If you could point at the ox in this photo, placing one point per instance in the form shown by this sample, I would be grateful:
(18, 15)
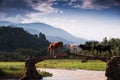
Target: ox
(74, 48)
(85, 47)
(101, 48)
(55, 45)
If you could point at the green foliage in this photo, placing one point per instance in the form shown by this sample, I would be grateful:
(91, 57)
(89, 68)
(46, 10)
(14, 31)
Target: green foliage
(113, 42)
(13, 38)
(91, 43)
(26, 53)
(11, 69)
(18, 44)
(72, 64)
(44, 73)
(2, 73)
(15, 70)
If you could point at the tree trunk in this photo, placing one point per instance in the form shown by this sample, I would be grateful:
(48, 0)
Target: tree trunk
(30, 68)
(91, 57)
(113, 69)
(32, 74)
(30, 71)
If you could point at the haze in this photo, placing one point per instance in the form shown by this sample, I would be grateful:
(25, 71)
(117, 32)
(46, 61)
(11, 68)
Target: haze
(89, 19)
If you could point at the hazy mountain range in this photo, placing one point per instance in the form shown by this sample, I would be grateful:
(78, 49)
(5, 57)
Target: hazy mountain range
(52, 33)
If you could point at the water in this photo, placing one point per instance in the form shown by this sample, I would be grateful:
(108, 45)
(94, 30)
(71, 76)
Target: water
(62, 74)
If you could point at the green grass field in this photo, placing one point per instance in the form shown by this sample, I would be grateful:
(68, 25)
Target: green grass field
(16, 69)
(13, 69)
(73, 64)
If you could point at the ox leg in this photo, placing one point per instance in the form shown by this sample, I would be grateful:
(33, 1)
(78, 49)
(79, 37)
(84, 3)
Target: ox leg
(50, 52)
(53, 52)
(97, 52)
(60, 50)
(92, 52)
(110, 52)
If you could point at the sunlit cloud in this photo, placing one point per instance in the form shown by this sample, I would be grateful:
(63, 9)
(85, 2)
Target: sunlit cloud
(24, 7)
(16, 19)
(94, 4)
(81, 18)
(46, 7)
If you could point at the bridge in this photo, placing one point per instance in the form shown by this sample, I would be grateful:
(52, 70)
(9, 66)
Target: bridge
(32, 74)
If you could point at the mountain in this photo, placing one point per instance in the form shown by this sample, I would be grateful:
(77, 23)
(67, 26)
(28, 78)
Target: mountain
(53, 39)
(52, 33)
(6, 23)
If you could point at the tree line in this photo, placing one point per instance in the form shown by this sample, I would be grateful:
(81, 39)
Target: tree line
(18, 44)
(114, 43)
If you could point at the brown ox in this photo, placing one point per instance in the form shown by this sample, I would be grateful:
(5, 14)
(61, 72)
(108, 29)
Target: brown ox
(55, 45)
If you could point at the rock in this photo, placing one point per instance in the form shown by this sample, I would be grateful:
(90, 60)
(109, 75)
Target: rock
(113, 69)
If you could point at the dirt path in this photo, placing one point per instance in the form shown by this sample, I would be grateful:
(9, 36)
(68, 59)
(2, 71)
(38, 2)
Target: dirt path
(61, 74)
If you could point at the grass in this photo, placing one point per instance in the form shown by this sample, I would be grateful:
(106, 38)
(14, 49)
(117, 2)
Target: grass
(13, 69)
(73, 64)
(16, 69)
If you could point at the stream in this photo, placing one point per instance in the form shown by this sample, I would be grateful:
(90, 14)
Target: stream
(63, 74)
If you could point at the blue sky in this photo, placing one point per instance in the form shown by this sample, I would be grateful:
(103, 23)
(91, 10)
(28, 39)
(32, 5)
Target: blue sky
(89, 19)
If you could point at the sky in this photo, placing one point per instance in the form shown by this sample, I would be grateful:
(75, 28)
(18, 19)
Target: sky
(89, 19)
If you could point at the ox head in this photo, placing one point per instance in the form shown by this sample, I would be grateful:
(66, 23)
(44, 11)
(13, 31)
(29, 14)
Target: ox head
(80, 45)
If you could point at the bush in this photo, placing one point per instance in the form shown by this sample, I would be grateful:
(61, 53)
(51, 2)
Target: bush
(2, 73)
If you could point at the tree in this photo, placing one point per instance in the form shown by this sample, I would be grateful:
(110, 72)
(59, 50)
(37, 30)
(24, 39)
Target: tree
(22, 44)
(105, 41)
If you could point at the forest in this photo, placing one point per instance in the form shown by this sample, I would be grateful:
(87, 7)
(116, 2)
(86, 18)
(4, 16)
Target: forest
(16, 44)
(114, 44)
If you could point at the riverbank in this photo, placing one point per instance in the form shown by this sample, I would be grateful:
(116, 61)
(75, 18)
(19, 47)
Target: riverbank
(76, 74)
(16, 69)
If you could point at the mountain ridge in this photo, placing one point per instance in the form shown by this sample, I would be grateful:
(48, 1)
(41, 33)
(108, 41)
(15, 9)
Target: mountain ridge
(50, 31)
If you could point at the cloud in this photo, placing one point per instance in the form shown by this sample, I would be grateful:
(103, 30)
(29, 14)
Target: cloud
(15, 19)
(94, 4)
(106, 3)
(46, 6)
(24, 7)
(2, 15)
(13, 8)
(1, 1)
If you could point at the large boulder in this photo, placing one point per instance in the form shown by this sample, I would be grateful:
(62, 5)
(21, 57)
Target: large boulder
(113, 69)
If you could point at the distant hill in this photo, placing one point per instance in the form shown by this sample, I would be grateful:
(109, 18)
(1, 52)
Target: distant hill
(5, 23)
(53, 39)
(52, 33)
